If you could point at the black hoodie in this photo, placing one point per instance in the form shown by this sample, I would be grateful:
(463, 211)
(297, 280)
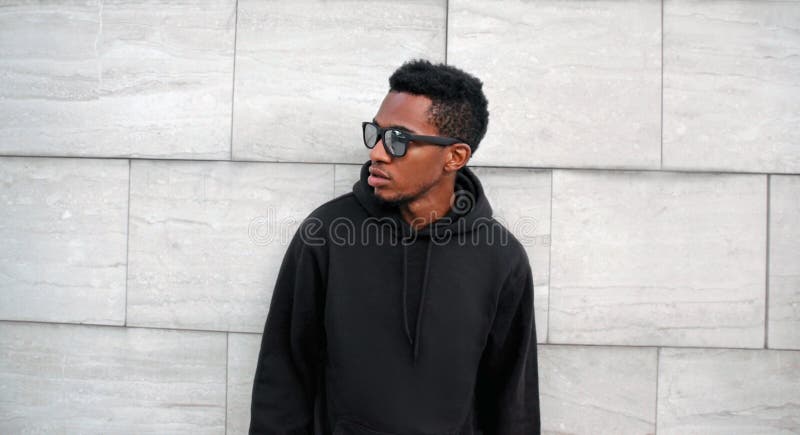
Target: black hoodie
(375, 328)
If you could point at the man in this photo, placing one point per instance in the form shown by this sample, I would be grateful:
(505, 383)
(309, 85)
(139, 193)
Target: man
(403, 307)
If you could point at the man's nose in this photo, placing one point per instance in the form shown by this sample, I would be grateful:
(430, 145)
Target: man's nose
(378, 152)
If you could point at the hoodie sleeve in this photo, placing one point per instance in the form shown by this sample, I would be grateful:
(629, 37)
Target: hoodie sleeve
(507, 388)
(287, 372)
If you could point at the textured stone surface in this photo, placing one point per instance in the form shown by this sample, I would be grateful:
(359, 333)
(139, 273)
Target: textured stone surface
(728, 391)
(242, 360)
(57, 378)
(784, 262)
(309, 72)
(597, 389)
(662, 268)
(569, 83)
(207, 239)
(63, 226)
(732, 85)
(117, 78)
(658, 258)
(346, 176)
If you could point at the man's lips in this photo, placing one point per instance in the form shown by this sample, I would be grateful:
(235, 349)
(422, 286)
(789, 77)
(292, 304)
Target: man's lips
(377, 177)
(375, 172)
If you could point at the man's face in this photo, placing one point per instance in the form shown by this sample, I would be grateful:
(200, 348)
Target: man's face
(412, 175)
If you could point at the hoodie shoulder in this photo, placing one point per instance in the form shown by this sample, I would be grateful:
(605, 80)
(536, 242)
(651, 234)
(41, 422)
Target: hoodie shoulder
(313, 230)
(342, 206)
(510, 248)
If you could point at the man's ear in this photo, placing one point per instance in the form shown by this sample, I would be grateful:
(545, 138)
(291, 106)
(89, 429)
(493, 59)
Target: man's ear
(458, 155)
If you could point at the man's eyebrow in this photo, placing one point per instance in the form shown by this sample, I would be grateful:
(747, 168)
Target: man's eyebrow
(399, 127)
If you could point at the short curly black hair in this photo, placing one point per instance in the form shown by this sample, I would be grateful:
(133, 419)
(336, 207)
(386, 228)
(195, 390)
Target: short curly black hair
(459, 108)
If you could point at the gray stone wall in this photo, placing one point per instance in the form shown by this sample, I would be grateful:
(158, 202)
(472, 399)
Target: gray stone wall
(156, 156)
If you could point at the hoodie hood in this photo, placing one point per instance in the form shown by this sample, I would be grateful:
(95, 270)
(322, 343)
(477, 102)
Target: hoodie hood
(469, 205)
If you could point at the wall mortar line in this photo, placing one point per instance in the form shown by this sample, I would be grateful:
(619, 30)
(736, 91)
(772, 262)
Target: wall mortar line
(766, 270)
(233, 75)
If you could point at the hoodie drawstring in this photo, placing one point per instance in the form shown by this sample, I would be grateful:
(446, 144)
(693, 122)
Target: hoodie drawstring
(421, 306)
(405, 291)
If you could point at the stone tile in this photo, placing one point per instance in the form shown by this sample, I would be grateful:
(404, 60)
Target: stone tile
(728, 391)
(658, 258)
(570, 84)
(346, 176)
(59, 378)
(207, 238)
(63, 223)
(784, 267)
(242, 361)
(520, 200)
(116, 78)
(597, 390)
(309, 72)
(731, 103)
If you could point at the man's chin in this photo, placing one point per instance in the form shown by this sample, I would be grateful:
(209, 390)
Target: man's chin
(387, 199)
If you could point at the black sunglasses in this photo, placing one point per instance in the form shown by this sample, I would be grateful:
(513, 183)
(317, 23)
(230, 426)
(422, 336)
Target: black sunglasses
(396, 141)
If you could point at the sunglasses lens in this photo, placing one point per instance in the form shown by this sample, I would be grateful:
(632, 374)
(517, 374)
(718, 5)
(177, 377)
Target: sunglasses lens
(370, 135)
(396, 142)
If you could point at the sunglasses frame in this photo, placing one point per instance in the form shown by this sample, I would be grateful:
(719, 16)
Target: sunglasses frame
(405, 137)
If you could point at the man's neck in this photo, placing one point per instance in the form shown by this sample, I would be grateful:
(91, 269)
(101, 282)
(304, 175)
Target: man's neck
(433, 205)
